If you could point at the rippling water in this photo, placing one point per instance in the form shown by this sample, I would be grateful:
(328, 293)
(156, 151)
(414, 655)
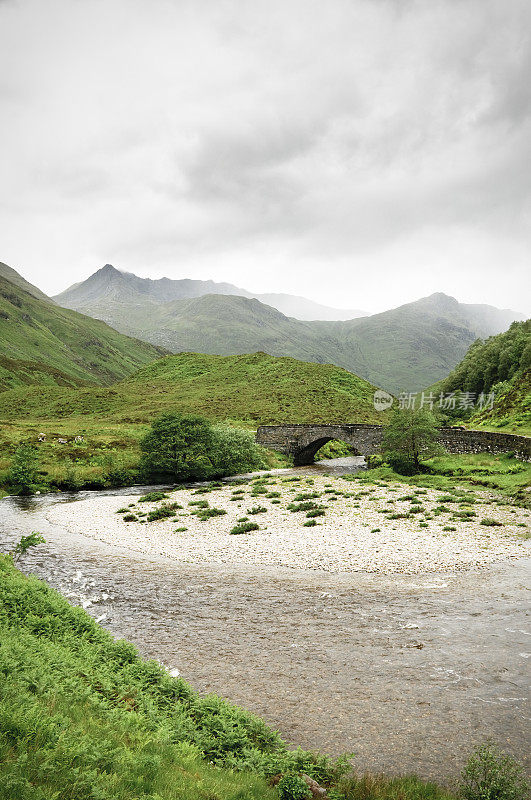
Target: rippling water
(409, 672)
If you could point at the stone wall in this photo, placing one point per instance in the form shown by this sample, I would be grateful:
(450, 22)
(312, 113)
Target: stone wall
(303, 441)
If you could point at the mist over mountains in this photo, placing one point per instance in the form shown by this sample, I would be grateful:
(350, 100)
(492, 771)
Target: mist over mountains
(406, 348)
(99, 292)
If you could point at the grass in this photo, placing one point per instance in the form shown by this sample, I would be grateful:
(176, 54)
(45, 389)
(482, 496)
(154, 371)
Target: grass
(243, 391)
(456, 475)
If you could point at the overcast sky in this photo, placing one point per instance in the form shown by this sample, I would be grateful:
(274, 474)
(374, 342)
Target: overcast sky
(362, 153)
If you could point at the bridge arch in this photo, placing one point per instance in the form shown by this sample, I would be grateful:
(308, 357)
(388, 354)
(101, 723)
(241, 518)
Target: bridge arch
(302, 442)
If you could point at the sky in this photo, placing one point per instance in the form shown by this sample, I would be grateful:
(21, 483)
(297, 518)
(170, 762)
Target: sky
(362, 153)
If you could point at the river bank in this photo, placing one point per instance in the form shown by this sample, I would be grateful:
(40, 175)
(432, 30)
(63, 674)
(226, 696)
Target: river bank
(352, 528)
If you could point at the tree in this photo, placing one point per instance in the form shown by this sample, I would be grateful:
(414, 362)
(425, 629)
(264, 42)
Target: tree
(235, 450)
(22, 475)
(410, 438)
(178, 447)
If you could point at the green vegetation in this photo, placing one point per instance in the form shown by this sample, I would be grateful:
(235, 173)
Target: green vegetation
(26, 543)
(240, 391)
(41, 343)
(410, 439)
(152, 497)
(23, 473)
(492, 775)
(500, 365)
(182, 447)
(244, 527)
(502, 474)
(489, 363)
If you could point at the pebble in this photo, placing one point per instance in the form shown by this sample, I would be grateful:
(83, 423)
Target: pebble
(342, 541)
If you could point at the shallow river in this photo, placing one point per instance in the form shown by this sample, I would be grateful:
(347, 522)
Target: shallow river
(407, 672)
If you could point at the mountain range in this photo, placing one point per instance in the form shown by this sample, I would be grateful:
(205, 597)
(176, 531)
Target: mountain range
(97, 295)
(403, 349)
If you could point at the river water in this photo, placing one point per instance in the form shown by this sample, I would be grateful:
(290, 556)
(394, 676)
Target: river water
(407, 672)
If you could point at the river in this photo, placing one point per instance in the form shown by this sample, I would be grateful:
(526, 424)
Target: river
(407, 672)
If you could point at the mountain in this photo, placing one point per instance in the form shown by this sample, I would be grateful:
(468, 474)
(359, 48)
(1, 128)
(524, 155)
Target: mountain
(43, 343)
(109, 294)
(405, 348)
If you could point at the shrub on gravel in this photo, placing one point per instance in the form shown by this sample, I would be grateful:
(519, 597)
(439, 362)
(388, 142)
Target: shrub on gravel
(490, 523)
(308, 505)
(129, 517)
(163, 511)
(207, 513)
(152, 497)
(316, 512)
(244, 527)
(257, 510)
(310, 523)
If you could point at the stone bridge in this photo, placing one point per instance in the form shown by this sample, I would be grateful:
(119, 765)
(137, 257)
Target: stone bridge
(303, 441)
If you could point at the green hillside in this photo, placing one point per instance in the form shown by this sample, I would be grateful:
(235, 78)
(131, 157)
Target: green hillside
(255, 388)
(500, 365)
(43, 343)
(246, 390)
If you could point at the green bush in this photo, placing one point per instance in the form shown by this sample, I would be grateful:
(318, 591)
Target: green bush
(257, 510)
(316, 512)
(22, 475)
(308, 505)
(183, 447)
(129, 517)
(207, 513)
(245, 527)
(492, 775)
(163, 511)
(291, 787)
(152, 497)
(490, 523)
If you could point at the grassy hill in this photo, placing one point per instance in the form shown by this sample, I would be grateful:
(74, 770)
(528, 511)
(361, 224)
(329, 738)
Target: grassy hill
(500, 365)
(406, 348)
(246, 390)
(43, 343)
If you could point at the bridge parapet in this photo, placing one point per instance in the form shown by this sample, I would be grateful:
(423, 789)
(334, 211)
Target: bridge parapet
(303, 441)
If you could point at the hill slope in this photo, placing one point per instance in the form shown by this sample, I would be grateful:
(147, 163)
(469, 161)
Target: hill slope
(406, 348)
(109, 294)
(500, 365)
(255, 388)
(14, 277)
(41, 342)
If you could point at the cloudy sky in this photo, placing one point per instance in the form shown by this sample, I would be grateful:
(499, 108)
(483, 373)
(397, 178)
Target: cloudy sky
(362, 153)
